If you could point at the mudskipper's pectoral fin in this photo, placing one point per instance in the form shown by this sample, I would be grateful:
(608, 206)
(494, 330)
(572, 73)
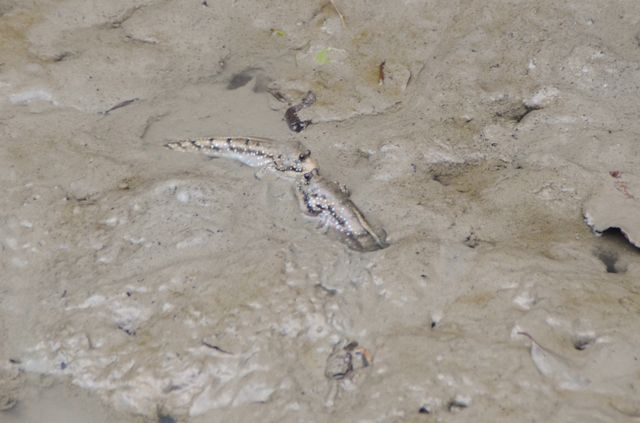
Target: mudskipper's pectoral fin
(324, 224)
(343, 189)
(261, 172)
(369, 241)
(303, 203)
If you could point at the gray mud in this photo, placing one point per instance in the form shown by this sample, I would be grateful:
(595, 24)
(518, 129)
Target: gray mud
(140, 284)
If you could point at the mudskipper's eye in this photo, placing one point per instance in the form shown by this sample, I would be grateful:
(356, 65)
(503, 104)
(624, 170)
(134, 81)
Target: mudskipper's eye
(304, 155)
(308, 176)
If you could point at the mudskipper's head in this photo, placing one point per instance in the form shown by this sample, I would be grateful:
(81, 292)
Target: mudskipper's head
(304, 163)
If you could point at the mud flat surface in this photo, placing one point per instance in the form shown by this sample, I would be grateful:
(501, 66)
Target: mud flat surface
(498, 147)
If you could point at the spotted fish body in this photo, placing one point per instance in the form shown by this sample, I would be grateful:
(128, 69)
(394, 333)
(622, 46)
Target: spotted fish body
(290, 159)
(330, 202)
(322, 199)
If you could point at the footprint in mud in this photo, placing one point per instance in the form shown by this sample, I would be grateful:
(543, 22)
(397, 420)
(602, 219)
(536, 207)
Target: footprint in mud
(240, 79)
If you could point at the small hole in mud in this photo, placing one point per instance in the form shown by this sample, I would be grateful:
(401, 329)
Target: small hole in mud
(609, 259)
(166, 419)
(583, 342)
(612, 250)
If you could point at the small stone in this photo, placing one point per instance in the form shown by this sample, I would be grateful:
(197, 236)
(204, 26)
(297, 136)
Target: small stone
(424, 410)
(471, 240)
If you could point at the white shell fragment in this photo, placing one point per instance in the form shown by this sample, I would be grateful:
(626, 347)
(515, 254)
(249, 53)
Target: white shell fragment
(542, 98)
(615, 205)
